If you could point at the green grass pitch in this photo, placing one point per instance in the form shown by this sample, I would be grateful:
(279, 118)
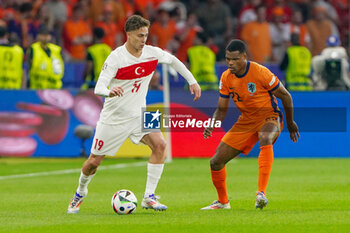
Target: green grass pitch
(305, 195)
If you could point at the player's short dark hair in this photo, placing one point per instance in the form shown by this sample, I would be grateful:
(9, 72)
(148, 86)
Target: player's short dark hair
(99, 33)
(236, 45)
(136, 22)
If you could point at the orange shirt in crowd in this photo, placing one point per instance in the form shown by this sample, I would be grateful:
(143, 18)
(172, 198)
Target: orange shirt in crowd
(163, 34)
(97, 7)
(142, 5)
(111, 30)
(71, 31)
(186, 44)
(257, 37)
(7, 14)
(129, 9)
(301, 30)
(319, 32)
(70, 4)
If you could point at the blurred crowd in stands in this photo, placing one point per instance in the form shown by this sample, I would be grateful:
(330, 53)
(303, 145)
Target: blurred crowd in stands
(266, 26)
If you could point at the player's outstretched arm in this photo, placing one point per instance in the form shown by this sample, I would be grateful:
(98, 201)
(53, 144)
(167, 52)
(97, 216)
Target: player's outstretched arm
(101, 88)
(108, 72)
(282, 93)
(219, 115)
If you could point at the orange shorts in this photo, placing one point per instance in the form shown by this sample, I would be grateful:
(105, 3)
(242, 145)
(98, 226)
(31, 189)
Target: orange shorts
(244, 134)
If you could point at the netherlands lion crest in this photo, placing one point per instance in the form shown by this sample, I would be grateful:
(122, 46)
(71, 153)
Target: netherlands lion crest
(251, 87)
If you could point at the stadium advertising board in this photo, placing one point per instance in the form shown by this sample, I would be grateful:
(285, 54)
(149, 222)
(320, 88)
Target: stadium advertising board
(42, 123)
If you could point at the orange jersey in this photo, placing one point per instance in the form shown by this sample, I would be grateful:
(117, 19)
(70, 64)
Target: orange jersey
(186, 44)
(257, 37)
(71, 31)
(251, 92)
(111, 30)
(163, 34)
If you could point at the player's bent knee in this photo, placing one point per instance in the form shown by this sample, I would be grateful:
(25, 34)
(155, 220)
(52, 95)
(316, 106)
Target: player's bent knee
(216, 164)
(160, 146)
(94, 162)
(266, 138)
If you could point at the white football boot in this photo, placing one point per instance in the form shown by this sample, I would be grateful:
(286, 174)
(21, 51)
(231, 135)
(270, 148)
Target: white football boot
(217, 205)
(74, 205)
(261, 200)
(151, 202)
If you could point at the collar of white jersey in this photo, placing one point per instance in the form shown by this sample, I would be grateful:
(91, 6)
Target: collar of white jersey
(132, 56)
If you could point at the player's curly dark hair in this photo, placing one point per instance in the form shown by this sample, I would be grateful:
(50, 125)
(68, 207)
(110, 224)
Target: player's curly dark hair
(135, 22)
(236, 45)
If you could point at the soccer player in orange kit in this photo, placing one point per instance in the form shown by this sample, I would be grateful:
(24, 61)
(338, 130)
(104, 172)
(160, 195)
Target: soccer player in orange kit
(253, 88)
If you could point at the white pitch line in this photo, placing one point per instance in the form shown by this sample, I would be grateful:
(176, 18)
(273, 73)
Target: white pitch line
(69, 171)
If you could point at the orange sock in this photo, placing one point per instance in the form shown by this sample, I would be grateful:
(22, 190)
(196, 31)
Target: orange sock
(265, 161)
(219, 181)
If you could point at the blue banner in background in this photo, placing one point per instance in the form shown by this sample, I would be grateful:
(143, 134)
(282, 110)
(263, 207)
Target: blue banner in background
(331, 140)
(42, 123)
(51, 114)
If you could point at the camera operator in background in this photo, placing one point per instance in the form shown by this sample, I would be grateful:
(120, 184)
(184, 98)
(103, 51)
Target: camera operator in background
(331, 67)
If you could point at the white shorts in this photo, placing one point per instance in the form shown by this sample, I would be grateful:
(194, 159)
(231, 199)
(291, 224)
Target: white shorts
(109, 138)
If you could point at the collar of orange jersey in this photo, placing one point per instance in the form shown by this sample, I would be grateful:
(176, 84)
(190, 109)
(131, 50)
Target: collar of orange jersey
(246, 71)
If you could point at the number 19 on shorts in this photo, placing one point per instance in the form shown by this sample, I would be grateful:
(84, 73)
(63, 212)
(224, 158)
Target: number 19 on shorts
(98, 144)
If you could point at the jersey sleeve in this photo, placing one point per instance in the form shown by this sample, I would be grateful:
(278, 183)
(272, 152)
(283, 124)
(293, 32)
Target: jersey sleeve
(108, 72)
(223, 88)
(162, 56)
(269, 81)
(167, 58)
(110, 67)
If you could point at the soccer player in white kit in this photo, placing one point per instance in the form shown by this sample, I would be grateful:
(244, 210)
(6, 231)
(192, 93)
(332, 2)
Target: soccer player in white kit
(124, 81)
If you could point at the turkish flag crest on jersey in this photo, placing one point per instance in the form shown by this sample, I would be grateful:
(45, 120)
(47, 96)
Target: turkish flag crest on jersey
(137, 70)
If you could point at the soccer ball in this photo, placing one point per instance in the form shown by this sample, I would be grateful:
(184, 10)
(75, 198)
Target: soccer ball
(124, 202)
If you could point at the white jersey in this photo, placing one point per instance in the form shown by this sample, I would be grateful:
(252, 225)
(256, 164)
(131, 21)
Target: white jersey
(133, 74)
